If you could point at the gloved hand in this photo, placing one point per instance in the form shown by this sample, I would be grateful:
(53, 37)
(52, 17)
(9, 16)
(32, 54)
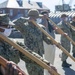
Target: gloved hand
(12, 69)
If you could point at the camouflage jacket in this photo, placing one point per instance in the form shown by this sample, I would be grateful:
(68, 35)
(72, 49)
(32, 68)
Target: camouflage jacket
(66, 29)
(73, 30)
(33, 37)
(9, 52)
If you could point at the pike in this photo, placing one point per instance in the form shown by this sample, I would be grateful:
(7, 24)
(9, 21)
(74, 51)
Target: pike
(61, 31)
(70, 25)
(56, 43)
(28, 54)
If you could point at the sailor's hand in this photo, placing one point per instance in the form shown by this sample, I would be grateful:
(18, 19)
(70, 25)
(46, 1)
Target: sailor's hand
(53, 69)
(13, 69)
(50, 41)
(65, 34)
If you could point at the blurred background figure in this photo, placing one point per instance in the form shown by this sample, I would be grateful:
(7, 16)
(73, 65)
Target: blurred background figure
(49, 53)
(64, 41)
(73, 34)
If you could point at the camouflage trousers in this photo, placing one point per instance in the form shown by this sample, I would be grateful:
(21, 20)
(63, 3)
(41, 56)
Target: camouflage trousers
(73, 48)
(67, 45)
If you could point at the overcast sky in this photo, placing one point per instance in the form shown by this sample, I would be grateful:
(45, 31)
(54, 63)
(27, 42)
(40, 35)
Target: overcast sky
(51, 3)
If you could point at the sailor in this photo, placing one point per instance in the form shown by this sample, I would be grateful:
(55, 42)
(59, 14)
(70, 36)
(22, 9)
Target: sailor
(64, 41)
(6, 50)
(33, 40)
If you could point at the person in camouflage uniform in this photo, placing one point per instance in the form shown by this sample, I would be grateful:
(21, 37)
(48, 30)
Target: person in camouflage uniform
(73, 34)
(33, 40)
(64, 41)
(6, 50)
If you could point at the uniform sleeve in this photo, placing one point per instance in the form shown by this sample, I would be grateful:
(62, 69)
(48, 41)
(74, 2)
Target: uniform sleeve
(25, 58)
(45, 38)
(59, 25)
(22, 56)
(19, 24)
(28, 60)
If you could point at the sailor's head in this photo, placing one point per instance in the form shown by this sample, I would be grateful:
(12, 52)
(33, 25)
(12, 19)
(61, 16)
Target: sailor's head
(45, 13)
(5, 20)
(64, 17)
(34, 13)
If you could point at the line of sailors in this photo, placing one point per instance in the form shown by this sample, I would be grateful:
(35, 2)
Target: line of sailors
(35, 41)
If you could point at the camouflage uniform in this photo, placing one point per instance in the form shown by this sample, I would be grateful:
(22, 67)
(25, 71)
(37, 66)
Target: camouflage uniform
(73, 36)
(6, 50)
(33, 40)
(64, 41)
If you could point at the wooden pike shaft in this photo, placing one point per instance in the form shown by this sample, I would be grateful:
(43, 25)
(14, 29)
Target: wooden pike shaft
(61, 31)
(57, 44)
(70, 25)
(3, 61)
(28, 54)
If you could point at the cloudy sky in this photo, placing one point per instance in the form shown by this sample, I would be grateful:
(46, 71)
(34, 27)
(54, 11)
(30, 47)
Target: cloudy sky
(51, 4)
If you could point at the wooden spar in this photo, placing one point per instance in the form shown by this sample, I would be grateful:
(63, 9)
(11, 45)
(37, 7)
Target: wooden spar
(61, 31)
(54, 42)
(70, 25)
(3, 61)
(28, 54)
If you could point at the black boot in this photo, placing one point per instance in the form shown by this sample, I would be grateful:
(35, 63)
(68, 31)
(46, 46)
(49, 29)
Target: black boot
(65, 64)
(74, 55)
